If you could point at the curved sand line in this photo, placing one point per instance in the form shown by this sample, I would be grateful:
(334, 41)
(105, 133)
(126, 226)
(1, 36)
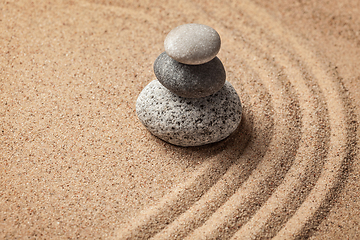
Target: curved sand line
(279, 214)
(260, 185)
(309, 159)
(341, 144)
(266, 165)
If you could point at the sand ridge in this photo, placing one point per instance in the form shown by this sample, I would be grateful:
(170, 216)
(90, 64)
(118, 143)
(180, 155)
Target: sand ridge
(77, 163)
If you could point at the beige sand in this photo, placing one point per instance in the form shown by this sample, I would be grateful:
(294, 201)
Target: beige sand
(77, 163)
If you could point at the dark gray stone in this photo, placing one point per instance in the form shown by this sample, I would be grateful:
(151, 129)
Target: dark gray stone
(189, 121)
(190, 81)
(192, 43)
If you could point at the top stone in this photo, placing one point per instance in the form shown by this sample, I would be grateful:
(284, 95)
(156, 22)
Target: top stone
(192, 44)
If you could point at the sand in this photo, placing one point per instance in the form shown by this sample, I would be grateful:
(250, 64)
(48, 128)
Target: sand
(77, 163)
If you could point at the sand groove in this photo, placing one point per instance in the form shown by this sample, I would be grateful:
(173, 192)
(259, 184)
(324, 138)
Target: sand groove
(309, 139)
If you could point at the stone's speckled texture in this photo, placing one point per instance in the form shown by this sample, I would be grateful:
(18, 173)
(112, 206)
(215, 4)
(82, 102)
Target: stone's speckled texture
(189, 121)
(191, 81)
(192, 43)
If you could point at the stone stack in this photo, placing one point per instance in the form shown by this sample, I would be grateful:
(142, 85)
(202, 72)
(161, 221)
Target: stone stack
(190, 103)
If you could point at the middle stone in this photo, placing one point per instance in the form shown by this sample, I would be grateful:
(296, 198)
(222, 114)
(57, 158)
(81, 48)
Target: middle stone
(190, 81)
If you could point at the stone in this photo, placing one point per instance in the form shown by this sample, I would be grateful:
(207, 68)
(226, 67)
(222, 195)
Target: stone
(192, 43)
(189, 121)
(190, 81)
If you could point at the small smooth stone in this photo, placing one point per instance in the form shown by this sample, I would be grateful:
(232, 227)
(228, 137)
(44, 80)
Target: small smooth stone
(189, 121)
(192, 43)
(190, 81)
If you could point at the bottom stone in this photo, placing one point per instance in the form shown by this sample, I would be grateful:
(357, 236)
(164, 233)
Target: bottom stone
(189, 121)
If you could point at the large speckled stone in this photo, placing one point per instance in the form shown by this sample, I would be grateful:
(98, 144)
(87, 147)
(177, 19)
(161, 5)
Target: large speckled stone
(189, 121)
(191, 81)
(192, 43)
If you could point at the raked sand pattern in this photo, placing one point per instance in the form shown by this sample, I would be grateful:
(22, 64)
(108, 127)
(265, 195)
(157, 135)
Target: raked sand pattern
(77, 163)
